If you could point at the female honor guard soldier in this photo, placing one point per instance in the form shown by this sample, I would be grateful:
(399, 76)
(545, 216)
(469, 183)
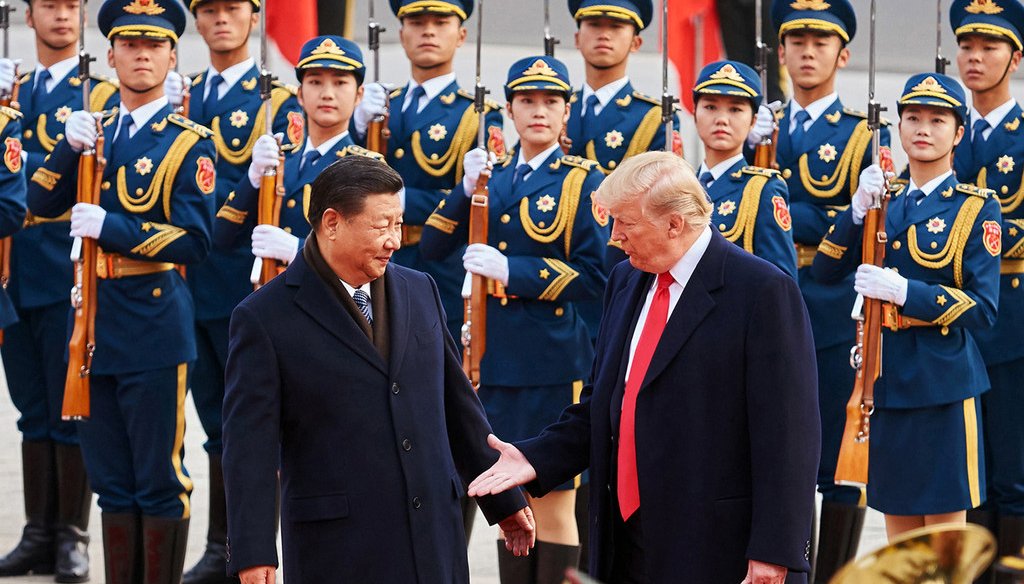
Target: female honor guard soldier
(751, 204)
(545, 252)
(58, 498)
(940, 283)
(155, 211)
(330, 73)
(991, 155)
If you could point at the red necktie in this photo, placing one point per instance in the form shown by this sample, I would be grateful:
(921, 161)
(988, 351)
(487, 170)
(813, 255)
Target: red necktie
(657, 315)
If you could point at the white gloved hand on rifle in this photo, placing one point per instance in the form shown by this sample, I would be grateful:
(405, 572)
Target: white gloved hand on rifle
(8, 74)
(881, 284)
(474, 164)
(764, 127)
(269, 242)
(175, 86)
(265, 155)
(80, 130)
(871, 185)
(486, 261)
(374, 103)
(87, 220)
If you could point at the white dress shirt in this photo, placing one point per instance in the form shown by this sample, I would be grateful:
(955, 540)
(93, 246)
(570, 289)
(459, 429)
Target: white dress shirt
(604, 95)
(140, 117)
(231, 76)
(58, 71)
(994, 118)
(720, 168)
(814, 109)
(930, 186)
(325, 148)
(431, 87)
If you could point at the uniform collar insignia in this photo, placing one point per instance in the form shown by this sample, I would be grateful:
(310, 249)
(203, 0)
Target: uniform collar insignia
(249, 84)
(147, 7)
(833, 118)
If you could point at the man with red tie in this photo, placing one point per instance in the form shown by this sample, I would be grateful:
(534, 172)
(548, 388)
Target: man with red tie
(700, 427)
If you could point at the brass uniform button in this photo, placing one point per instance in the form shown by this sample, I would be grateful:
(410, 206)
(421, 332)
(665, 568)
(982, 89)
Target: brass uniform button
(287, 229)
(139, 191)
(721, 227)
(504, 301)
(502, 245)
(291, 203)
(934, 245)
(105, 185)
(787, 173)
(235, 142)
(559, 311)
(611, 164)
(157, 293)
(505, 218)
(944, 331)
(60, 137)
(399, 153)
(1015, 282)
(27, 134)
(896, 244)
(1005, 189)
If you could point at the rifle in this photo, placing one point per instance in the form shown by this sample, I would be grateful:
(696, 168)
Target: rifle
(268, 206)
(7, 100)
(940, 60)
(91, 165)
(866, 355)
(764, 152)
(474, 324)
(549, 39)
(377, 132)
(668, 101)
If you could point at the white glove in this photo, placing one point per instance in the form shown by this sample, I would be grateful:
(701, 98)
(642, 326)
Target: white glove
(269, 242)
(80, 130)
(87, 220)
(872, 182)
(265, 154)
(374, 103)
(881, 284)
(175, 86)
(764, 127)
(8, 72)
(486, 261)
(474, 164)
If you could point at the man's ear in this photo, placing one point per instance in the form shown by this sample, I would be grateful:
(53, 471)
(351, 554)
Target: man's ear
(330, 221)
(676, 225)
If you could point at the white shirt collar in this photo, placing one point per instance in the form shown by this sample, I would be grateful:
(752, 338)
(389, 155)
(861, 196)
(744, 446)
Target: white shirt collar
(58, 71)
(720, 168)
(814, 109)
(537, 160)
(930, 185)
(231, 76)
(994, 117)
(684, 268)
(431, 88)
(141, 115)
(604, 95)
(326, 147)
(351, 290)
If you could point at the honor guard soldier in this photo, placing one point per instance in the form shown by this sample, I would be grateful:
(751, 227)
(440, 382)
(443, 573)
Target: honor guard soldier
(544, 253)
(57, 494)
(226, 99)
(156, 210)
(822, 146)
(991, 155)
(330, 73)
(751, 204)
(432, 126)
(940, 283)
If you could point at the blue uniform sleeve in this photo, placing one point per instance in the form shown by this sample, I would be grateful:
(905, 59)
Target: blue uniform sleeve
(839, 253)
(53, 187)
(447, 228)
(237, 216)
(773, 237)
(12, 181)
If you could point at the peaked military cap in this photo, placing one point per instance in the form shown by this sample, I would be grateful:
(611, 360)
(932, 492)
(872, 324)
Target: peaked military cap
(639, 12)
(830, 16)
(193, 4)
(998, 18)
(728, 78)
(154, 19)
(331, 52)
(935, 90)
(461, 8)
(538, 74)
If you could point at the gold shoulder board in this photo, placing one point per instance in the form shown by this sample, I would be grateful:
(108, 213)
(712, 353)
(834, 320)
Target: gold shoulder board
(490, 103)
(10, 112)
(354, 150)
(188, 124)
(758, 171)
(974, 190)
(579, 162)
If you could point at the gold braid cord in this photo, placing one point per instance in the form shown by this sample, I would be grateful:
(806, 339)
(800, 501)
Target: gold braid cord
(163, 178)
(1017, 251)
(746, 215)
(462, 141)
(848, 166)
(956, 243)
(1009, 204)
(565, 217)
(242, 155)
(97, 99)
(44, 139)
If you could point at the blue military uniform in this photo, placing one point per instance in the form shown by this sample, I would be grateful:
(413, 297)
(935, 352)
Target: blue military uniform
(428, 151)
(751, 204)
(12, 194)
(157, 193)
(926, 453)
(237, 217)
(991, 155)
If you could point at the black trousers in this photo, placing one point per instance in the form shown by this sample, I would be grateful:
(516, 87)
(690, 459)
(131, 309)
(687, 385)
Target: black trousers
(628, 561)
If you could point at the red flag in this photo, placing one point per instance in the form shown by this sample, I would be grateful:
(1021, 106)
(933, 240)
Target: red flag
(683, 17)
(290, 24)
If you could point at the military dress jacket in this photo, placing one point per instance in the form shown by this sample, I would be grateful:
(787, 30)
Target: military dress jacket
(12, 194)
(998, 164)
(948, 247)
(237, 217)
(220, 282)
(40, 270)
(751, 209)
(628, 125)
(158, 195)
(554, 238)
(822, 177)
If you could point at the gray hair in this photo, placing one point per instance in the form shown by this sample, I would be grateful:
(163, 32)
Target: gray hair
(663, 183)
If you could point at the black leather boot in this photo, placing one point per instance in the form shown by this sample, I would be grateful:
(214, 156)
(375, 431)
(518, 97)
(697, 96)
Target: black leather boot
(74, 501)
(35, 552)
(514, 569)
(212, 567)
(163, 549)
(1011, 540)
(838, 538)
(122, 549)
(553, 559)
(988, 519)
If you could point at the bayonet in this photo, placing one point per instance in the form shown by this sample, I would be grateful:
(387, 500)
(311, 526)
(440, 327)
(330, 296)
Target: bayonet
(668, 101)
(940, 60)
(549, 40)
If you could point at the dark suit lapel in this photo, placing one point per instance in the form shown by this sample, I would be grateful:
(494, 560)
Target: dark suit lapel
(315, 298)
(633, 294)
(398, 307)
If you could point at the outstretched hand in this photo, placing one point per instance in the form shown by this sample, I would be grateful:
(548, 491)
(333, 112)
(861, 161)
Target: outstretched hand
(520, 532)
(511, 470)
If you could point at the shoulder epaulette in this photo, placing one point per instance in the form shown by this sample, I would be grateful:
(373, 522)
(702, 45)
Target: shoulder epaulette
(488, 102)
(188, 124)
(579, 162)
(10, 112)
(647, 98)
(289, 88)
(24, 78)
(855, 113)
(395, 93)
(353, 150)
(758, 171)
(975, 190)
(104, 79)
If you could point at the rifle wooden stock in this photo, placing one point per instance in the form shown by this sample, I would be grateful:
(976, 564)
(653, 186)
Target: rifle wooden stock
(377, 134)
(474, 327)
(83, 296)
(764, 153)
(269, 213)
(186, 100)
